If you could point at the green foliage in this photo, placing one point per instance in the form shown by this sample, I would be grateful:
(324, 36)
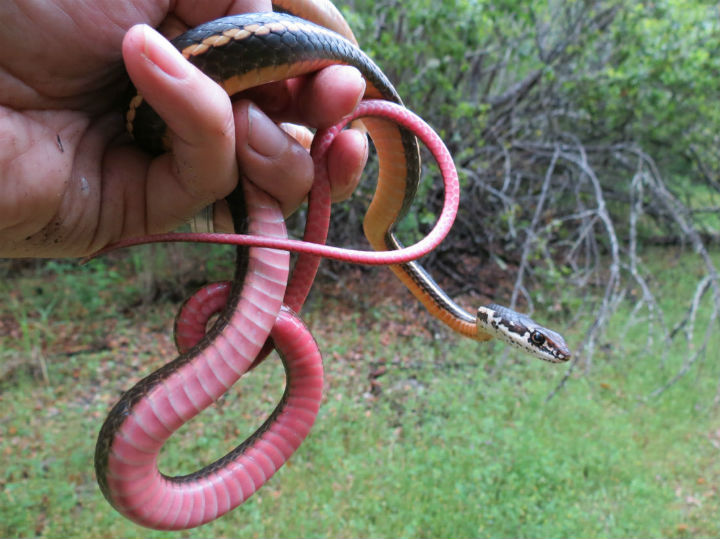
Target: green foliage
(652, 78)
(487, 74)
(439, 55)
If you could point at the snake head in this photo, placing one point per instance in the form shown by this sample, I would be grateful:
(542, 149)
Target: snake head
(523, 332)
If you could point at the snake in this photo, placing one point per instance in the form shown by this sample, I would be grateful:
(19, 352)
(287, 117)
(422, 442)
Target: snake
(258, 307)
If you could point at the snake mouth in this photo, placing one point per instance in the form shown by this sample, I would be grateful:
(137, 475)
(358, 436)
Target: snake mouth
(559, 352)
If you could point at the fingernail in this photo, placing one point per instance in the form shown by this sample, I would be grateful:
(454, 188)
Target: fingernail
(359, 174)
(351, 73)
(161, 53)
(347, 76)
(264, 136)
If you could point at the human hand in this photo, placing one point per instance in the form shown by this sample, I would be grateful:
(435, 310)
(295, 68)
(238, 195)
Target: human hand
(70, 179)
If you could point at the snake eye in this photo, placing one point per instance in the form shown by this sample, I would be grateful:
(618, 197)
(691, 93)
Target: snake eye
(537, 338)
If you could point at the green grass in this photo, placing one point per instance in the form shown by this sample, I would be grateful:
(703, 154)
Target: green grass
(451, 440)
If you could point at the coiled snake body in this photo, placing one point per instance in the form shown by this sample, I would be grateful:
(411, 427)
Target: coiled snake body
(239, 52)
